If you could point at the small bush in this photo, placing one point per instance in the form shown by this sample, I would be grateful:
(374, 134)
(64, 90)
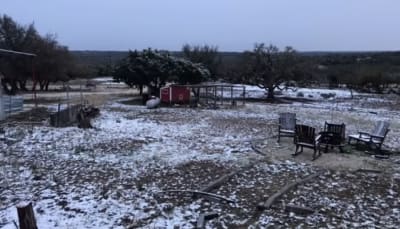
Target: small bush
(328, 95)
(300, 94)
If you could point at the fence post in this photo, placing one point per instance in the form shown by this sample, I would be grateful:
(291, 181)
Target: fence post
(26, 216)
(2, 115)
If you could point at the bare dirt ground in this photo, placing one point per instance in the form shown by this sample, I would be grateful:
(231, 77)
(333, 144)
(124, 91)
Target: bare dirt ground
(354, 158)
(113, 176)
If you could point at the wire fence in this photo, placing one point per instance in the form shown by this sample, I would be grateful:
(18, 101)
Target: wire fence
(10, 105)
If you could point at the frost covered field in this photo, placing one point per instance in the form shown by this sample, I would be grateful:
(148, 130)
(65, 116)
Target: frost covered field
(112, 176)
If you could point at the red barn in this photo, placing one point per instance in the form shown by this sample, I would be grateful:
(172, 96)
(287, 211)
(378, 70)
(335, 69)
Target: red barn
(175, 94)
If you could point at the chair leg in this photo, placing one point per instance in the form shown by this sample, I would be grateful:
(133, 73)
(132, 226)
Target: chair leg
(377, 148)
(295, 153)
(279, 137)
(349, 141)
(315, 154)
(326, 149)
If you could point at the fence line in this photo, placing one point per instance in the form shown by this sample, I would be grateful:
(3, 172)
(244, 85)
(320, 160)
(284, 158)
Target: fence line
(11, 104)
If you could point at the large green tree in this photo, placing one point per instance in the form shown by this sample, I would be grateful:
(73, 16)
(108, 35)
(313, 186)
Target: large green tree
(53, 62)
(154, 69)
(15, 68)
(207, 55)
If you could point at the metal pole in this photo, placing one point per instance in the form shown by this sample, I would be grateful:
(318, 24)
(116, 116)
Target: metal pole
(2, 115)
(232, 95)
(67, 95)
(9, 111)
(17, 53)
(34, 82)
(222, 95)
(244, 94)
(215, 96)
(58, 113)
(206, 94)
(68, 108)
(80, 89)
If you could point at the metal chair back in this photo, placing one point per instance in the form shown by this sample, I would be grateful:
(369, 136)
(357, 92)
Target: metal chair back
(381, 128)
(287, 121)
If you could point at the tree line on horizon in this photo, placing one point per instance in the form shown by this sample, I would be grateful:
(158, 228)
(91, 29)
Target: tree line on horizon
(272, 69)
(265, 66)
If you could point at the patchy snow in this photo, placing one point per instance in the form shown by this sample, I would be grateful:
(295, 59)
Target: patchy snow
(103, 79)
(109, 176)
(309, 93)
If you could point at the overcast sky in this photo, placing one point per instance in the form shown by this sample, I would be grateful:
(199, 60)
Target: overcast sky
(232, 25)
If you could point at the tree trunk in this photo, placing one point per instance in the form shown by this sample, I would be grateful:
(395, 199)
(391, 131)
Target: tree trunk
(152, 90)
(22, 85)
(10, 86)
(34, 85)
(7, 87)
(270, 94)
(47, 86)
(26, 216)
(41, 85)
(351, 92)
(14, 87)
(140, 89)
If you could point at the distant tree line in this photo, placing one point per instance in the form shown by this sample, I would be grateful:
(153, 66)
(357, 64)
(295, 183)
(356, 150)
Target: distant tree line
(273, 69)
(53, 62)
(365, 72)
(265, 66)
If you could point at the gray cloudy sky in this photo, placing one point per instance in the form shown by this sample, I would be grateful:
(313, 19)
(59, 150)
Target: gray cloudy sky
(232, 25)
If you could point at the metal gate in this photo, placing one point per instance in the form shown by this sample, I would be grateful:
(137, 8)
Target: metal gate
(10, 104)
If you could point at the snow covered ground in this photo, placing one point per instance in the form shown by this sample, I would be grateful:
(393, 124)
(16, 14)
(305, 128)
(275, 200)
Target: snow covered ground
(111, 176)
(309, 93)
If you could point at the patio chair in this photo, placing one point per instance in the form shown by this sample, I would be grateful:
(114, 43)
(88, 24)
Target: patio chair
(305, 137)
(373, 139)
(286, 127)
(334, 135)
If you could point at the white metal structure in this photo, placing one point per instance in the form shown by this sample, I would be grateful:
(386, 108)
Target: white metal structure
(2, 115)
(11, 104)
